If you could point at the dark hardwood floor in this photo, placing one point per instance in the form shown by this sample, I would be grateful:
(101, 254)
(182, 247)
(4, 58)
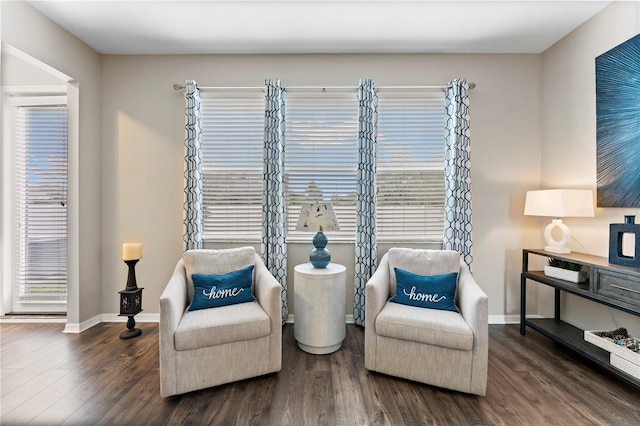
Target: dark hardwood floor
(49, 378)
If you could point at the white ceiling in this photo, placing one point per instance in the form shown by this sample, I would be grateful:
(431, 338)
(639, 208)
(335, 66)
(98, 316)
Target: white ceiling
(307, 26)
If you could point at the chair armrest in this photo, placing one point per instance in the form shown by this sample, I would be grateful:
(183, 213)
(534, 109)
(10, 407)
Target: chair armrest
(473, 302)
(268, 292)
(474, 306)
(173, 302)
(377, 292)
(376, 295)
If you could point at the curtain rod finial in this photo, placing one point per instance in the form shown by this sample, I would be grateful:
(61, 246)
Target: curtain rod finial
(177, 86)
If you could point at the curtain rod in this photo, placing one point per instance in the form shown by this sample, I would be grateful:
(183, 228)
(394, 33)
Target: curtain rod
(178, 86)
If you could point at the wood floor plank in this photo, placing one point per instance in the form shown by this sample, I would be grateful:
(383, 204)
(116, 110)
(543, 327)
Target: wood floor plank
(19, 339)
(29, 390)
(73, 401)
(347, 390)
(42, 354)
(287, 396)
(5, 373)
(256, 396)
(47, 398)
(193, 408)
(549, 383)
(97, 378)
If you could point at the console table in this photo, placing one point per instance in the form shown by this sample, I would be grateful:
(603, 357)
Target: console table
(611, 285)
(319, 322)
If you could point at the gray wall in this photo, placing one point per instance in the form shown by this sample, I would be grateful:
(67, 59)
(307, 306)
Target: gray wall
(569, 145)
(142, 151)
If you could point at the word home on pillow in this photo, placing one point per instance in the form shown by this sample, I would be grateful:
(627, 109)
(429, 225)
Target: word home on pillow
(212, 290)
(426, 291)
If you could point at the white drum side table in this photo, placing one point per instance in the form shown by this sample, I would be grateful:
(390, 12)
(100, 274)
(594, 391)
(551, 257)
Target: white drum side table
(319, 302)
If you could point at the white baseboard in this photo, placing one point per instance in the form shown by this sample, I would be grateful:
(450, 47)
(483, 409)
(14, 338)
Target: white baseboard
(112, 317)
(74, 327)
(493, 319)
(508, 319)
(504, 319)
(85, 325)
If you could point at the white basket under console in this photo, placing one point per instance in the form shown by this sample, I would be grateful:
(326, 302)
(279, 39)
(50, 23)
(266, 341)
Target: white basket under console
(620, 357)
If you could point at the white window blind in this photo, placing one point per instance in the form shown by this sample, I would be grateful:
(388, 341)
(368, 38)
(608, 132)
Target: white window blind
(41, 195)
(410, 167)
(321, 162)
(232, 165)
(322, 155)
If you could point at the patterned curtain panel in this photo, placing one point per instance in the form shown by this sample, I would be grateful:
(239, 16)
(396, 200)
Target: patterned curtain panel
(366, 246)
(193, 224)
(457, 220)
(274, 243)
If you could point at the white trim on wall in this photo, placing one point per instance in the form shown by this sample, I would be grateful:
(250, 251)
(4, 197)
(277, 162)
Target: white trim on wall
(108, 317)
(9, 49)
(155, 318)
(509, 319)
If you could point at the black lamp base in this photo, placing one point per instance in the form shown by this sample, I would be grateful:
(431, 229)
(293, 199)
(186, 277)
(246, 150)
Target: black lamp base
(128, 334)
(131, 331)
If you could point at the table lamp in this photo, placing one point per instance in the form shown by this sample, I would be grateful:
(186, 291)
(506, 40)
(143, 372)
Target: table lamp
(318, 217)
(558, 203)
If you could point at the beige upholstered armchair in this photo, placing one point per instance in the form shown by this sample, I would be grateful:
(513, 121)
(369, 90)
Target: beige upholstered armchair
(209, 346)
(444, 348)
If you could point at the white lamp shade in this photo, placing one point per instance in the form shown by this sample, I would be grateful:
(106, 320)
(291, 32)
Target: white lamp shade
(316, 217)
(559, 203)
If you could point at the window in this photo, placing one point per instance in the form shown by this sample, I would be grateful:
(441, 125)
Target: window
(39, 219)
(410, 166)
(322, 155)
(232, 150)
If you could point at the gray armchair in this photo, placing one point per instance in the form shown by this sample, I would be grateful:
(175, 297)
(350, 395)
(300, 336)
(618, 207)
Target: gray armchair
(209, 347)
(441, 348)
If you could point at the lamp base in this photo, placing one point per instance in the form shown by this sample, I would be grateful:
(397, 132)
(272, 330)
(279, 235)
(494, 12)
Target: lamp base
(320, 256)
(553, 245)
(559, 250)
(131, 331)
(128, 334)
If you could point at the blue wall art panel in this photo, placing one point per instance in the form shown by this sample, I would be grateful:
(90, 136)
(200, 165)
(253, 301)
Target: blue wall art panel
(618, 125)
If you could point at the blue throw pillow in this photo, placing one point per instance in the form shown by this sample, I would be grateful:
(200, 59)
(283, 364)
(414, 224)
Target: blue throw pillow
(211, 291)
(426, 291)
